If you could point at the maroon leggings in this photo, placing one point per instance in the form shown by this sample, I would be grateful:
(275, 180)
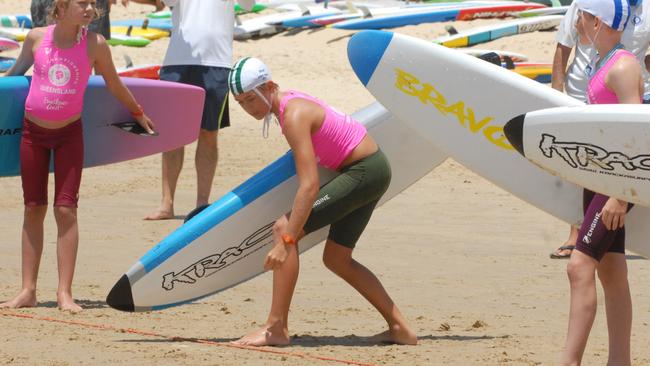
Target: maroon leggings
(594, 239)
(36, 145)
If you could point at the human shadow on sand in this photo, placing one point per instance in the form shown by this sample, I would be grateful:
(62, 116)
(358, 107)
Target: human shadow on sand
(84, 303)
(323, 341)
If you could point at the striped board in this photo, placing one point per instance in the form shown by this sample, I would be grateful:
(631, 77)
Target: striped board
(6, 63)
(141, 71)
(148, 33)
(175, 109)
(491, 32)
(605, 148)
(129, 41)
(17, 34)
(271, 24)
(432, 15)
(16, 21)
(556, 10)
(540, 72)
(164, 24)
(460, 104)
(226, 243)
(7, 44)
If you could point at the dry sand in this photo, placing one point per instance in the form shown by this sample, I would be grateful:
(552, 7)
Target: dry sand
(466, 262)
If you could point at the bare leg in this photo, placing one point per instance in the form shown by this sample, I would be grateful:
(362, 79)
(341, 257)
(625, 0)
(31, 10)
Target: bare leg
(612, 272)
(338, 259)
(172, 163)
(207, 155)
(32, 248)
(582, 272)
(66, 253)
(276, 332)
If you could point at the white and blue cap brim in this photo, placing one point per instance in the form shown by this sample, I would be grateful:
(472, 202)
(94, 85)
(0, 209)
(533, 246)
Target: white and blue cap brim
(614, 13)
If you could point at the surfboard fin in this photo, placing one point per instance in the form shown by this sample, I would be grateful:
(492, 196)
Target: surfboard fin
(129, 30)
(366, 12)
(145, 24)
(237, 20)
(305, 10)
(510, 65)
(451, 30)
(491, 57)
(128, 61)
(134, 128)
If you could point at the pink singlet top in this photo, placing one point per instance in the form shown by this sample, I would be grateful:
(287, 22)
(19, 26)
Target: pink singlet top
(59, 80)
(597, 90)
(338, 136)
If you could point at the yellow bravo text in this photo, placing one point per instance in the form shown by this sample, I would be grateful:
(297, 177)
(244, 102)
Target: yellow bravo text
(428, 94)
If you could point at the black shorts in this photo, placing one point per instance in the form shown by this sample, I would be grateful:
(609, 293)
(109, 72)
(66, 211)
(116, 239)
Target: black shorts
(215, 82)
(347, 201)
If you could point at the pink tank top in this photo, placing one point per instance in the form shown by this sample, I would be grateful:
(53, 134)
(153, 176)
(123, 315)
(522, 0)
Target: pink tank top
(338, 136)
(597, 90)
(59, 79)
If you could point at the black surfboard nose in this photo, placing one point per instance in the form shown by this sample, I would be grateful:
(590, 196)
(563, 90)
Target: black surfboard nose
(514, 131)
(120, 297)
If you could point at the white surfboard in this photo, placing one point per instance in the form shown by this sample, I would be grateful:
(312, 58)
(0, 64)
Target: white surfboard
(227, 242)
(461, 103)
(605, 148)
(491, 32)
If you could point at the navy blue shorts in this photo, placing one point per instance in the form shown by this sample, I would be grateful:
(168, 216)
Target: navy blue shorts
(215, 82)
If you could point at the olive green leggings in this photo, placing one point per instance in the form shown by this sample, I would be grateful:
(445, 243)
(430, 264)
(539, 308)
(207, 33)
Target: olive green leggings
(347, 201)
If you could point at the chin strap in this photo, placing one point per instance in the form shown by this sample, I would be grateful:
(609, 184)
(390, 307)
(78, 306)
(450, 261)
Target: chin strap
(269, 116)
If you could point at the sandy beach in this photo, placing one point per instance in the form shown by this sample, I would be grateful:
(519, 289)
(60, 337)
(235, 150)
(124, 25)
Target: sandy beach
(465, 261)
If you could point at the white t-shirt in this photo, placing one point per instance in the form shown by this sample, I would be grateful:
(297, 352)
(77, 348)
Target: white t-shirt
(202, 32)
(636, 39)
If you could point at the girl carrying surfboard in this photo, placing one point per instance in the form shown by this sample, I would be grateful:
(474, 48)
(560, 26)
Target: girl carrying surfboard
(319, 135)
(615, 77)
(63, 56)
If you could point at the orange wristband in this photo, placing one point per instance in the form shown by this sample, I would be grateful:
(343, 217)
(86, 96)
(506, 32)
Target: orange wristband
(288, 239)
(139, 112)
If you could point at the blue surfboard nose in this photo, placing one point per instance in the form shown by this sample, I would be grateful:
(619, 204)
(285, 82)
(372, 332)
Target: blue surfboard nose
(120, 297)
(514, 131)
(365, 50)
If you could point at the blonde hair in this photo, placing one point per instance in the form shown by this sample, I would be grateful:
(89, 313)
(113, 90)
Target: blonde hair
(53, 11)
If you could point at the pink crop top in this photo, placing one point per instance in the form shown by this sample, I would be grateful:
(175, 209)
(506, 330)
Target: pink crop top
(338, 136)
(597, 90)
(59, 79)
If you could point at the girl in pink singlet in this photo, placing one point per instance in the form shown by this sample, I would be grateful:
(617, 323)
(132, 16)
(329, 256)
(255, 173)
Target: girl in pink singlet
(63, 56)
(615, 78)
(319, 136)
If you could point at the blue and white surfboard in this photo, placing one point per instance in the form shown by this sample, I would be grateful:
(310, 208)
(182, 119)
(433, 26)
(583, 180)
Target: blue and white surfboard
(226, 243)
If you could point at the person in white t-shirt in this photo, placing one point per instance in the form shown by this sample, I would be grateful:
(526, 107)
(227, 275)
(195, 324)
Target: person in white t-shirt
(200, 54)
(636, 39)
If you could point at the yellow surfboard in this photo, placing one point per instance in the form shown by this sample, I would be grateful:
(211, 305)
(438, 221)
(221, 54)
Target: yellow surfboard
(148, 33)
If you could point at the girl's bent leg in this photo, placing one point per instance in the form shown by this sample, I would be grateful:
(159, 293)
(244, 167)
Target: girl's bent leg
(32, 248)
(67, 244)
(276, 332)
(338, 259)
(581, 271)
(612, 272)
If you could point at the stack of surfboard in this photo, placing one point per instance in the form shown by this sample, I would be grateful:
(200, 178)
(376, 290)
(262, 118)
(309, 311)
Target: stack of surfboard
(428, 87)
(7, 45)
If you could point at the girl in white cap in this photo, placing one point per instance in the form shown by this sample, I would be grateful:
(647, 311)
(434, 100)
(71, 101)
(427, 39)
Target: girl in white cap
(319, 135)
(615, 77)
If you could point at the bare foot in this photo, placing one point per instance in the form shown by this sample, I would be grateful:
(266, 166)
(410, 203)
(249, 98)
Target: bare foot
(25, 299)
(66, 303)
(160, 214)
(397, 335)
(265, 337)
